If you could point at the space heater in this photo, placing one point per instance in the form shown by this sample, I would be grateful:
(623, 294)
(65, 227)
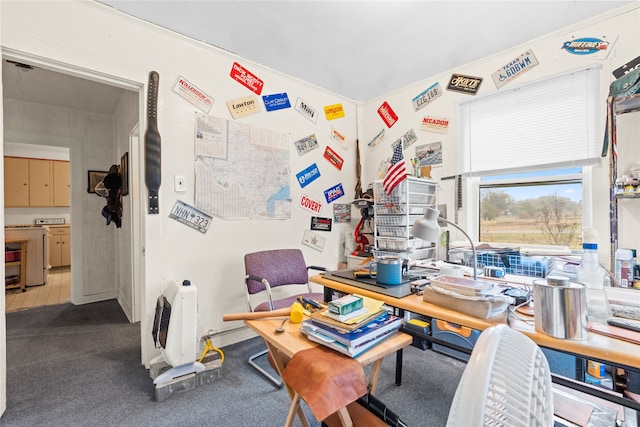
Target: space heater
(175, 331)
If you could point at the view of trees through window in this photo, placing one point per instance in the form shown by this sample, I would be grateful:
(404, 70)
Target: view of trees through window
(547, 214)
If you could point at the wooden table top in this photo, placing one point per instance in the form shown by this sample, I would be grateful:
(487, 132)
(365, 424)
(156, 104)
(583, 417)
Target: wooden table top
(597, 347)
(292, 340)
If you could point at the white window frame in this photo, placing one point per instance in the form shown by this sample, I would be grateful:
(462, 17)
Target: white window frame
(474, 184)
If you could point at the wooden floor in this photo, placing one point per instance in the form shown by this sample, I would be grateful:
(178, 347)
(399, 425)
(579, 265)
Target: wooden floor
(57, 290)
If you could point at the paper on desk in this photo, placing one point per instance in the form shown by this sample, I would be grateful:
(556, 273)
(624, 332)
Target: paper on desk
(371, 305)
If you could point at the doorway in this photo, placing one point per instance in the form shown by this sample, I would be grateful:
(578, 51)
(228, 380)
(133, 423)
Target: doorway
(48, 104)
(47, 229)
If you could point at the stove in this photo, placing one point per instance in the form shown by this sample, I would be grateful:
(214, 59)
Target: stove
(49, 221)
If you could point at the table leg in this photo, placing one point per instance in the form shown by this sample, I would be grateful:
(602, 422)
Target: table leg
(277, 360)
(399, 367)
(375, 374)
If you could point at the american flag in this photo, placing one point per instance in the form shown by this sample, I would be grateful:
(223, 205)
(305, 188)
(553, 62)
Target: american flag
(396, 172)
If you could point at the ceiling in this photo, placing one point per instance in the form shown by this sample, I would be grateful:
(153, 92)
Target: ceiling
(364, 49)
(359, 49)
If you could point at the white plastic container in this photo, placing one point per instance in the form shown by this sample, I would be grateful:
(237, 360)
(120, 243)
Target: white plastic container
(624, 268)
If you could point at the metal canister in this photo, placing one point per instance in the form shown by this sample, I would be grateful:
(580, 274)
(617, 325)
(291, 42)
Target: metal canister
(560, 307)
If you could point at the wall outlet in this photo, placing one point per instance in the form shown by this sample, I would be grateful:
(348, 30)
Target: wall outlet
(179, 184)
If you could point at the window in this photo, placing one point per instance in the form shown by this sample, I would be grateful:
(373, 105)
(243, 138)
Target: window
(543, 208)
(527, 153)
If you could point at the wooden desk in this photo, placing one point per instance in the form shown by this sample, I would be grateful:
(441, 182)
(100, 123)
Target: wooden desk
(291, 341)
(282, 346)
(22, 263)
(596, 347)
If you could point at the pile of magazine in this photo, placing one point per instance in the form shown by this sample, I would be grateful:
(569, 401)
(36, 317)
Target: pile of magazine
(355, 333)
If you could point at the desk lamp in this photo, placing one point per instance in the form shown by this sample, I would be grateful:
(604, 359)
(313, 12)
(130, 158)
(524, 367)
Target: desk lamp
(427, 228)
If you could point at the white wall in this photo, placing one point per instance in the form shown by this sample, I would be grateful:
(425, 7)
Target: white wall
(129, 49)
(125, 121)
(622, 23)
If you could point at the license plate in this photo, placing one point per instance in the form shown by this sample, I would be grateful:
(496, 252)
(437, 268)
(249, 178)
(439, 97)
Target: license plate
(190, 216)
(513, 69)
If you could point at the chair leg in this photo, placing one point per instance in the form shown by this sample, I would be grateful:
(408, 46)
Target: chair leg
(258, 368)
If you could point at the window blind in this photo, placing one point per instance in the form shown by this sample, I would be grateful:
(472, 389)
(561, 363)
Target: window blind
(549, 123)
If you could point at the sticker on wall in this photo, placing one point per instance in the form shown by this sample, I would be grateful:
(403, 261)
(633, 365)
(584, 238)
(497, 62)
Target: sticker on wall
(388, 116)
(342, 212)
(332, 112)
(406, 140)
(276, 101)
(306, 110)
(246, 78)
(313, 240)
(627, 68)
(190, 216)
(430, 154)
(333, 158)
(306, 144)
(427, 96)
(377, 139)
(435, 124)
(320, 224)
(515, 68)
(308, 175)
(464, 84)
(339, 138)
(595, 47)
(333, 193)
(310, 204)
(243, 106)
(190, 92)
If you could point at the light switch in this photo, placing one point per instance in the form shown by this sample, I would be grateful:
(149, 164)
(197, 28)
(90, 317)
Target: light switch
(179, 184)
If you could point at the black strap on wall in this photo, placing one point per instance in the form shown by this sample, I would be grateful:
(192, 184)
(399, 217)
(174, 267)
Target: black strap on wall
(152, 145)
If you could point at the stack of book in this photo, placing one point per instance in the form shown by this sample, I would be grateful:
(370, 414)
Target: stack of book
(354, 333)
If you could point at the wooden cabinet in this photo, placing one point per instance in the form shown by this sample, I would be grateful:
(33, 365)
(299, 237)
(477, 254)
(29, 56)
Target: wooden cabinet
(15, 255)
(59, 246)
(16, 182)
(36, 182)
(39, 182)
(61, 187)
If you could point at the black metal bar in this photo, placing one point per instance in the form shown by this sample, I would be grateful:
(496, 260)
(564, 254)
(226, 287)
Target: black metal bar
(595, 391)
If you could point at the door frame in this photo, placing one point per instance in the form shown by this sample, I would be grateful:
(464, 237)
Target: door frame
(137, 214)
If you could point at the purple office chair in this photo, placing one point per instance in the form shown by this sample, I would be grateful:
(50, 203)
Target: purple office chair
(268, 274)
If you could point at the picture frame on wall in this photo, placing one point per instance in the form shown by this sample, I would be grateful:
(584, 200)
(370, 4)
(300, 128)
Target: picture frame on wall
(124, 173)
(94, 178)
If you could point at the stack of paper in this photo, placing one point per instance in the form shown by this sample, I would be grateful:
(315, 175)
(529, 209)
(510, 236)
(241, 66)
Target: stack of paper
(355, 335)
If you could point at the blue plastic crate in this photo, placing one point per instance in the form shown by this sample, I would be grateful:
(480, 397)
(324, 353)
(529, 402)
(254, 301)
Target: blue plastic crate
(513, 262)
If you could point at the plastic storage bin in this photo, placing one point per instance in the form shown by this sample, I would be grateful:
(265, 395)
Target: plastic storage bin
(455, 334)
(418, 329)
(564, 364)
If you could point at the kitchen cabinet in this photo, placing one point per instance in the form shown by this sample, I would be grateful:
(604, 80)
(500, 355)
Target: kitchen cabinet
(36, 182)
(59, 245)
(61, 187)
(16, 181)
(39, 182)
